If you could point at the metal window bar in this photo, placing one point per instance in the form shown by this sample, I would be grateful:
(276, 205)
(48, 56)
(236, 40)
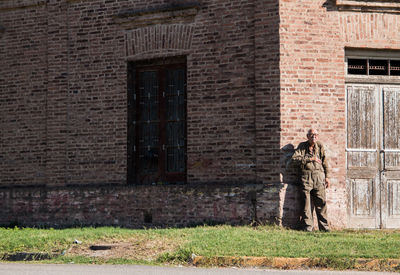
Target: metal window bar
(359, 67)
(388, 68)
(377, 68)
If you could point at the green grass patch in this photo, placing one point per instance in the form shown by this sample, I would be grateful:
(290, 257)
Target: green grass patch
(52, 240)
(276, 241)
(337, 248)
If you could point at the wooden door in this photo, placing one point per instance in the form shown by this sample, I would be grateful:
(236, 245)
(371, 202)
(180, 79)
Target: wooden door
(390, 157)
(362, 156)
(373, 155)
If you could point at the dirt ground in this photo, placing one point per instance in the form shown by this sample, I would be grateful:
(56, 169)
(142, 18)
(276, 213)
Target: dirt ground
(135, 249)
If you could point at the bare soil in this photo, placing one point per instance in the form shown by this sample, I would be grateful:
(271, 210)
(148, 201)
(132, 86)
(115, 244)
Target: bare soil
(135, 249)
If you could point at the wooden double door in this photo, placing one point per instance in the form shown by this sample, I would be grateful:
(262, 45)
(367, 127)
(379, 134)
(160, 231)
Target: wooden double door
(373, 155)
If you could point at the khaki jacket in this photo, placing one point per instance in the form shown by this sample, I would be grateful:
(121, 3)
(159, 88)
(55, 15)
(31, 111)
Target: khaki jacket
(302, 156)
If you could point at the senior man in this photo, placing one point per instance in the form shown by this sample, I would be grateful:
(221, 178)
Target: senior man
(311, 159)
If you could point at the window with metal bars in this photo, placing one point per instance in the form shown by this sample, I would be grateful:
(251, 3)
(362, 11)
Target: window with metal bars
(365, 66)
(157, 121)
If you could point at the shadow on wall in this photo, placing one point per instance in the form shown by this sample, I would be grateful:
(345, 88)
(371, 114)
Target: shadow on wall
(290, 208)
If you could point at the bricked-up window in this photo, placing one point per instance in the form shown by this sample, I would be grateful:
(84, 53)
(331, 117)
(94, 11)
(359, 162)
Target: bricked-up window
(157, 121)
(364, 66)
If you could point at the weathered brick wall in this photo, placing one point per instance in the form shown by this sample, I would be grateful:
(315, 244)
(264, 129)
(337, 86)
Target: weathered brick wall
(63, 82)
(312, 89)
(80, 65)
(97, 96)
(374, 30)
(23, 89)
(221, 134)
(313, 36)
(267, 86)
(259, 74)
(138, 206)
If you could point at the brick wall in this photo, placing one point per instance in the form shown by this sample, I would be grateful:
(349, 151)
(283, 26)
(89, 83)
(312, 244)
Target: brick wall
(221, 137)
(97, 96)
(259, 74)
(82, 66)
(267, 98)
(23, 91)
(138, 206)
(65, 89)
(313, 36)
(312, 88)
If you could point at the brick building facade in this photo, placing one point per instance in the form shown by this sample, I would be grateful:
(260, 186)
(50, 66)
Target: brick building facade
(78, 77)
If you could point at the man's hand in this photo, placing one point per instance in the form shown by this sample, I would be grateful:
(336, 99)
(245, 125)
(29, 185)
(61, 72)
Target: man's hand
(316, 159)
(327, 182)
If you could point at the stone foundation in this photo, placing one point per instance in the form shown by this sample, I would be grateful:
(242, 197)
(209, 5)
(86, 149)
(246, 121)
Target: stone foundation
(141, 206)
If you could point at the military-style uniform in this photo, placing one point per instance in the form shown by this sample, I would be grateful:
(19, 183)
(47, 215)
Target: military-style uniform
(313, 182)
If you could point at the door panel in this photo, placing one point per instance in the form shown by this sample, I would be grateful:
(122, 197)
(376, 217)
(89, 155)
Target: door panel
(390, 153)
(394, 197)
(362, 100)
(362, 156)
(391, 135)
(361, 122)
(391, 200)
(363, 203)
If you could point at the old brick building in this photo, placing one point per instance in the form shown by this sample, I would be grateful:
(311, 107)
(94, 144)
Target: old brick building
(161, 112)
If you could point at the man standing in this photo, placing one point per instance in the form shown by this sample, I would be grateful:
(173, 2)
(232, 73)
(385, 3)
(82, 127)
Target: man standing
(312, 161)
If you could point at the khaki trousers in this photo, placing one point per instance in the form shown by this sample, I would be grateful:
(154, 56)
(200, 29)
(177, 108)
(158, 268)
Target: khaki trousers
(313, 191)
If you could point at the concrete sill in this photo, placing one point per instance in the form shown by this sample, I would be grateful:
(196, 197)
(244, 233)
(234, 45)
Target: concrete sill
(388, 6)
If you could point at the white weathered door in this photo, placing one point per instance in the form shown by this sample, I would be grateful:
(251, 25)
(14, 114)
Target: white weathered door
(390, 157)
(362, 152)
(373, 156)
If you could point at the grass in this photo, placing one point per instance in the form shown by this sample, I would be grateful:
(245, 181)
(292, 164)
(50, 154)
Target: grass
(270, 241)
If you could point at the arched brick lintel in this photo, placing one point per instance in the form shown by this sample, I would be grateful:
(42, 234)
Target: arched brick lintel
(159, 40)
